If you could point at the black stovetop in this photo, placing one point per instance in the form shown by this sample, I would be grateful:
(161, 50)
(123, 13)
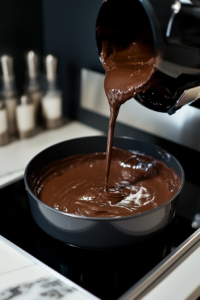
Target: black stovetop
(106, 274)
(110, 273)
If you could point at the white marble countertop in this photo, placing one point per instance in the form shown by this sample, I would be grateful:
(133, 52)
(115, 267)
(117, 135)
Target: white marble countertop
(15, 156)
(24, 277)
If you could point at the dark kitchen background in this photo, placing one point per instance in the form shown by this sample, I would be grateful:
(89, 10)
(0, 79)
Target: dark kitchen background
(64, 28)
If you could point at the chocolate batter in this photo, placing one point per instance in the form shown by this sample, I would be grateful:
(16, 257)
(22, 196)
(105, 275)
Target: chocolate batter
(137, 183)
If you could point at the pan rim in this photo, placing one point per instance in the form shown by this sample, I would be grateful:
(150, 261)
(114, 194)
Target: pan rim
(108, 219)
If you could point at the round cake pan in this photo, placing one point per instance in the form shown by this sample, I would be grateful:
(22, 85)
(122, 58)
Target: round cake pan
(90, 232)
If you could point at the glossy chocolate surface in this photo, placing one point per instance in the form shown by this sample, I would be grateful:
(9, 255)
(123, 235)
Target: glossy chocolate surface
(137, 183)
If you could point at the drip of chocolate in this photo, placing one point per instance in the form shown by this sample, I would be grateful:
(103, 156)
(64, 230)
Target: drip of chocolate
(128, 72)
(137, 183)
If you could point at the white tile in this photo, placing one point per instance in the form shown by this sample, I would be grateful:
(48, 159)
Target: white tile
(11, 260)
(28, 274)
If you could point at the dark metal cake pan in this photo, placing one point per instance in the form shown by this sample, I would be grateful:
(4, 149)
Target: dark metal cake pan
(91, 232)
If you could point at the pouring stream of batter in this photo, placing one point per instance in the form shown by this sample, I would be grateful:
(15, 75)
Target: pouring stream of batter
(128, 72)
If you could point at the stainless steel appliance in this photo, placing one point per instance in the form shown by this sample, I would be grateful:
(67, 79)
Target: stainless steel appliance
(173, 30)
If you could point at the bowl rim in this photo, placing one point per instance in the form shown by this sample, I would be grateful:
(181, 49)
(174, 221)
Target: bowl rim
(109, 219)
